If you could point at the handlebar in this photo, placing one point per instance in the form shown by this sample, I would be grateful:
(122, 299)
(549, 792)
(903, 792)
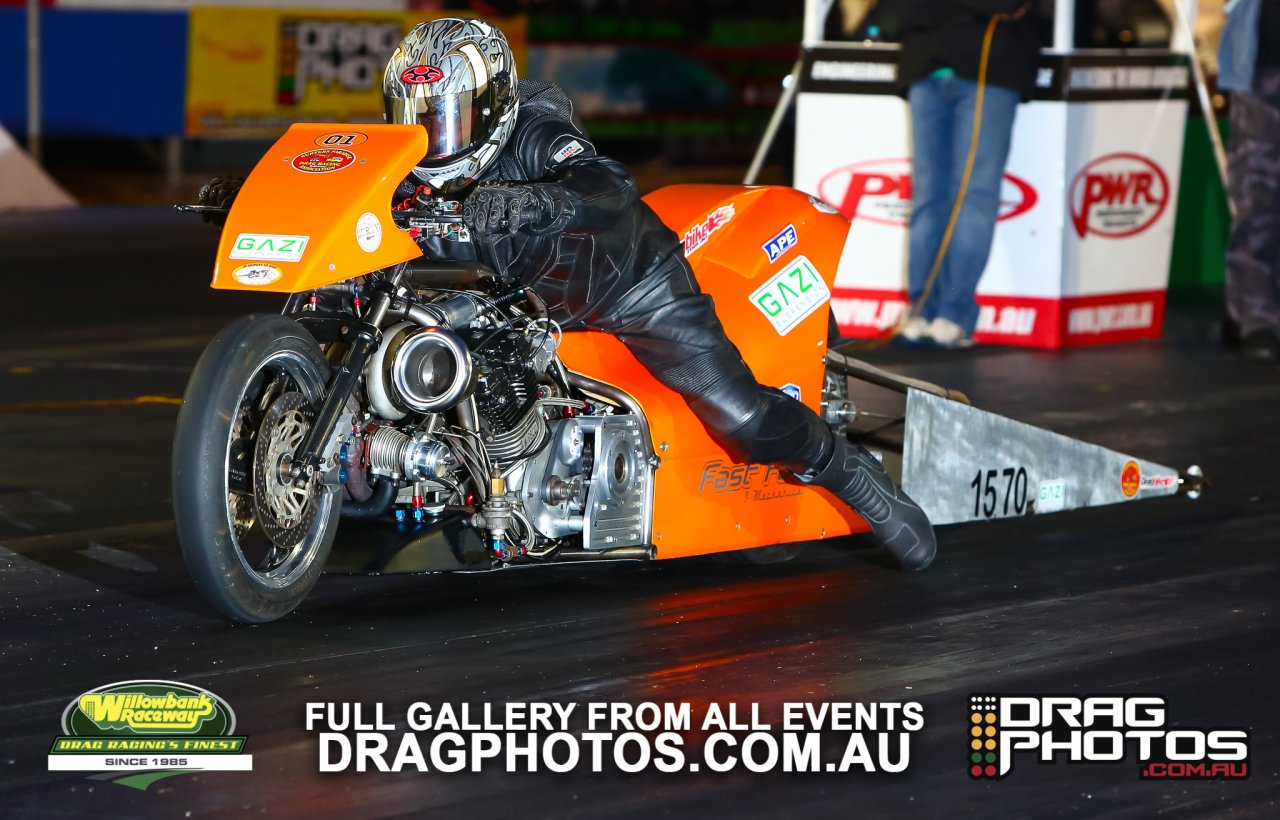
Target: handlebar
(419, 219)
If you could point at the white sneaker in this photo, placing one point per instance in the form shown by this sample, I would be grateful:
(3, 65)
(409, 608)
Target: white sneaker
(915, 329)
(949, 334)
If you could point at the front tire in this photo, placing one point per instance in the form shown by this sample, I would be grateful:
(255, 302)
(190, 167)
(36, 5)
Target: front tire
(245, 562)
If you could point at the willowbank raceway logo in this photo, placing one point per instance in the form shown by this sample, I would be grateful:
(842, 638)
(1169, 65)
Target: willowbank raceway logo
(1098, 729)
(141, 731)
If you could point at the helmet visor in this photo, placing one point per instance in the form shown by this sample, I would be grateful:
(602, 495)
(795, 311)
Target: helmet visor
(455, 123)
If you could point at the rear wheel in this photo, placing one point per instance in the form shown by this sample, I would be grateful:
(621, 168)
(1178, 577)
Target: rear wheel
(254, 544)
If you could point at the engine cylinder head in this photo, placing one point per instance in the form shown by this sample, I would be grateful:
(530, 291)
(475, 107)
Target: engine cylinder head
(525, 437)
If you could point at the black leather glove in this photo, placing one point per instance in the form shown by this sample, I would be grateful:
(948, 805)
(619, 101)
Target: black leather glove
(219, 192)
(504, 208)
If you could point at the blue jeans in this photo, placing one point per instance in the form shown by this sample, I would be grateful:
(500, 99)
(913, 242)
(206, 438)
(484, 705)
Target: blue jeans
(941, 125)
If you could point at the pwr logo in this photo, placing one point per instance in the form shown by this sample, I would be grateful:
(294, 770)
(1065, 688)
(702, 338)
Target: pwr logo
(879, 190)
(1098, 729)
(1118, 195)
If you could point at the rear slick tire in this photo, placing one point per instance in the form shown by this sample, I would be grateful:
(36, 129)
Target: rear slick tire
(248, 364)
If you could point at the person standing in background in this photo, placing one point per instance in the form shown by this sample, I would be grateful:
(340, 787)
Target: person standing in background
(941, 55)
(1249, 67)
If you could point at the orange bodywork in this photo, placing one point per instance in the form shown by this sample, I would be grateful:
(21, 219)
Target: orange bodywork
(704, 499)
(766, 256)
(321, 183)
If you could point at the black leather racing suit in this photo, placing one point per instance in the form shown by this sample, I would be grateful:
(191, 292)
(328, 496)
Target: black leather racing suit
(602, 259)
(581, 237)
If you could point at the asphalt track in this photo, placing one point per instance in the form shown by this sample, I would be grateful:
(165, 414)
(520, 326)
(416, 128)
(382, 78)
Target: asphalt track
(1171, 597)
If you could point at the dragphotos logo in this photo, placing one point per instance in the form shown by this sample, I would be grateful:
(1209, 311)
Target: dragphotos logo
(1098, 729)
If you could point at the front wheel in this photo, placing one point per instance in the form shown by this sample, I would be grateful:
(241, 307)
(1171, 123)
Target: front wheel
(254, 544)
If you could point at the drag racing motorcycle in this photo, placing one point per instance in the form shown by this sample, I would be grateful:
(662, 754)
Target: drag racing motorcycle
(430, 416)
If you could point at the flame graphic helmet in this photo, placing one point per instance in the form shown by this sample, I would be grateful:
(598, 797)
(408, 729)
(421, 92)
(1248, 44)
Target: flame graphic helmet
(457, 79)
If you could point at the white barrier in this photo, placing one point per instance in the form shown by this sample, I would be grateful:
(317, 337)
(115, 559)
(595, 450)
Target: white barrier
(1082, 248)
(23, 184)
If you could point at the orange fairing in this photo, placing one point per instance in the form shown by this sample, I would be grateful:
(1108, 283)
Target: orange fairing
(704, 499)
(317, 209)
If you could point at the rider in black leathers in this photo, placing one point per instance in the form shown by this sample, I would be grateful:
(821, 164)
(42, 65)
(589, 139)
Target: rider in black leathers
(542, 205)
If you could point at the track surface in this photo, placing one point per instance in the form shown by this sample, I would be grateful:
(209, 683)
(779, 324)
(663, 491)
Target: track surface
(1170, 597)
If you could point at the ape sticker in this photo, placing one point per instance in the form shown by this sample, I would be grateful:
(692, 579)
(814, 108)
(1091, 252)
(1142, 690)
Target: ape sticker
(791, 295)
(323, 160)
(780, 244)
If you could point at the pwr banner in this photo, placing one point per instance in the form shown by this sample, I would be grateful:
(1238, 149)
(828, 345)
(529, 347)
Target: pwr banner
(1082, 245)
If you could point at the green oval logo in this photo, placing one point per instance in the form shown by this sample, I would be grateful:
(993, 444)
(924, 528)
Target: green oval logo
(140, 708)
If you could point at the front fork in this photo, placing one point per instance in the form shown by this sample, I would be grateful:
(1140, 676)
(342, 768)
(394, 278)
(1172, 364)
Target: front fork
(364, 339)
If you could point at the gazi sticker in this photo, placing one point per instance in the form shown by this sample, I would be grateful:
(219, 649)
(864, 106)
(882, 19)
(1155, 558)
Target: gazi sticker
(269, 247)
(791, 295)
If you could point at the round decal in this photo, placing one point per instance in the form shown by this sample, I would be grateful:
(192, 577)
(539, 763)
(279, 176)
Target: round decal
(1130, 479)
(420, 74)
(1118, 195)
(323, 160)
(341, 139)
(256, 274)
(368, 232)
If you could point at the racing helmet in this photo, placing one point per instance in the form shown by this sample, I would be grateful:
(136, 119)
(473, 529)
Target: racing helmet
(457, 79)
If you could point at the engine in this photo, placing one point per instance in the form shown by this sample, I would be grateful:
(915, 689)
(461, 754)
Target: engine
(506, 391)
(476, 412)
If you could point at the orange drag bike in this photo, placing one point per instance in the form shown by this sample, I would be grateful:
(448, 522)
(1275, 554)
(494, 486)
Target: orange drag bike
(435, 415)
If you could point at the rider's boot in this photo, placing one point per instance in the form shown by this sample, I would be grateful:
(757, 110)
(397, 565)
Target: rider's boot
(857, 478)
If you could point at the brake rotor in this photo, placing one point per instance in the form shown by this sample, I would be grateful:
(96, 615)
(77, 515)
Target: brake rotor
(284, 511)
(239, 470)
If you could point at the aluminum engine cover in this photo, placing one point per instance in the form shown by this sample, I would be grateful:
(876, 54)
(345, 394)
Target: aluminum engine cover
(618, 509)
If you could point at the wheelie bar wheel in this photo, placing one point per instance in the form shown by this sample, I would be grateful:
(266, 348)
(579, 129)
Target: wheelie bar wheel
(254, 544)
